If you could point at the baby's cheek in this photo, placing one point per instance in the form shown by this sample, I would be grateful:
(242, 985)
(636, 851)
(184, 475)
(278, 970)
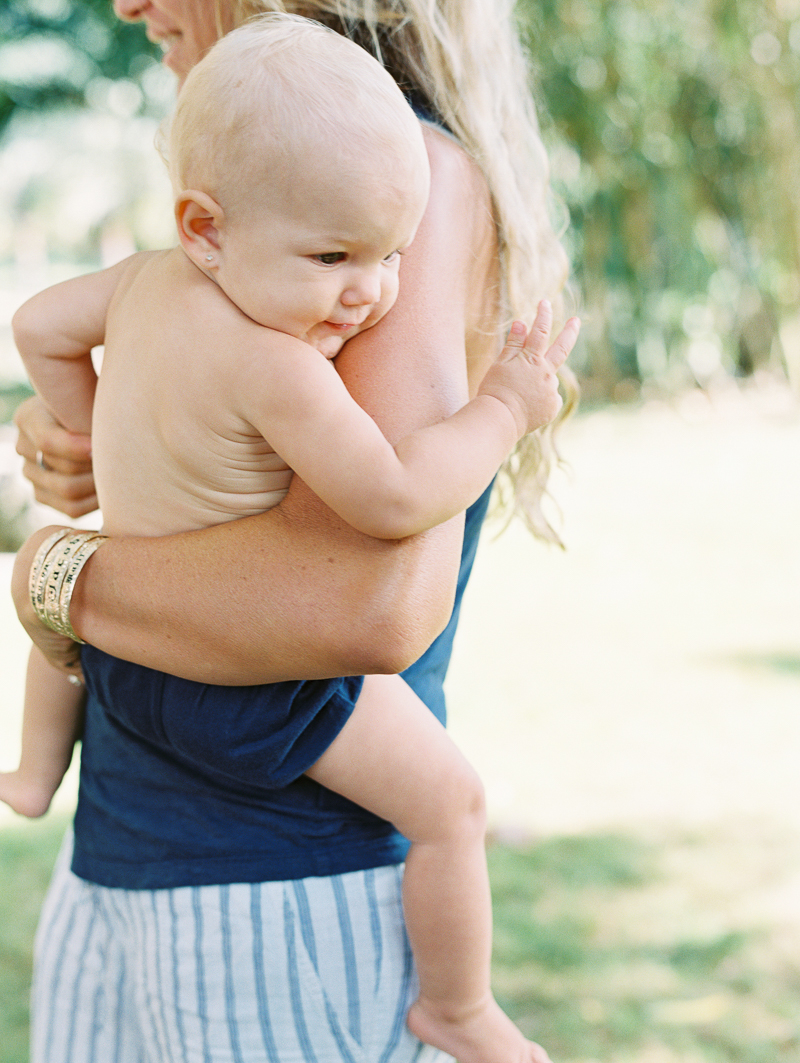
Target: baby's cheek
(388, 299)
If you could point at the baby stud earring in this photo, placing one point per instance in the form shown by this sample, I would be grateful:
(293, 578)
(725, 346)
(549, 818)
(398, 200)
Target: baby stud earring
(209, 257)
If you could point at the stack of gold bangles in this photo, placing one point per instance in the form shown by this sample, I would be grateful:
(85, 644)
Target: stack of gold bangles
(55, 569)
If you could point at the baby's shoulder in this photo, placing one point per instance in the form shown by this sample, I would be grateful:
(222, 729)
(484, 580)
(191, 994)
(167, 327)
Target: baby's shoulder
(137, 265)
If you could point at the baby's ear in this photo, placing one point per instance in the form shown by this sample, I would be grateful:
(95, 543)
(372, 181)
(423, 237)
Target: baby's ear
(199, 219)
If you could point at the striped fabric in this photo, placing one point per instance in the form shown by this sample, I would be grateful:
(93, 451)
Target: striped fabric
(312, 971)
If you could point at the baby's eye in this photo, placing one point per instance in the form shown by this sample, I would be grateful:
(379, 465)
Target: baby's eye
(392, 256)
(330, 258)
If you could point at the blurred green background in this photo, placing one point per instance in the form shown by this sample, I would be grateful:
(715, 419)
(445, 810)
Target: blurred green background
(631, 702)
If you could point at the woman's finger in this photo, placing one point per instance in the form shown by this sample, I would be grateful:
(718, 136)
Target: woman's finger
(58, 463)
(44, 442)
(72, 494)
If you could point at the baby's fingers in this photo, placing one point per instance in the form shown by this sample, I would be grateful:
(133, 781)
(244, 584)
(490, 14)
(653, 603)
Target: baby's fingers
(536, 343)
(564, 342)
(515, 339)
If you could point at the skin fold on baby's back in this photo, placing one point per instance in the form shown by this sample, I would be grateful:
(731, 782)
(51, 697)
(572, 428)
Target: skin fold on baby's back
(170, 451)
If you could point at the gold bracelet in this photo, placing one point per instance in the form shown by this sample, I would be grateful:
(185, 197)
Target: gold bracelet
(53, 575)
(38, 572)
(83, 554)
(56, 567)
(43, 569)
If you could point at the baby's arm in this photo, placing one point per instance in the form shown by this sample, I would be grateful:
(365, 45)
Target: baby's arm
(433, 473)
(55, 332)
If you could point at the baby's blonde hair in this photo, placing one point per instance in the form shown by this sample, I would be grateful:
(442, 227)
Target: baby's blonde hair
(462, 61)
(280, 89)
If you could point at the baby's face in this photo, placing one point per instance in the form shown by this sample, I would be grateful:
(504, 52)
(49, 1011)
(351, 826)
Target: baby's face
(319, 257)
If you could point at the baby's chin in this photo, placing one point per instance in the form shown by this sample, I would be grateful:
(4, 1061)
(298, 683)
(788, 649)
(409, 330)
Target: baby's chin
(329, 346)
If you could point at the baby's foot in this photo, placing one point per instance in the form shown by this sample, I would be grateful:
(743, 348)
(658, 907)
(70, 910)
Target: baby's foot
(28, 797)
(485, 1034)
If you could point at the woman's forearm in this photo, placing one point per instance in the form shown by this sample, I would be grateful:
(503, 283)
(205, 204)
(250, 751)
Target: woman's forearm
(225, 604)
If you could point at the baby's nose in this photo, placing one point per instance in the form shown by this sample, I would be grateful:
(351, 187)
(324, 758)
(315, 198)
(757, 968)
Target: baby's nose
(365, 289)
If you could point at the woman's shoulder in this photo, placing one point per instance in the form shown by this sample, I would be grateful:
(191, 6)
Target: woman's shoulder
(449, 159)
(460, 223)
(459, 196)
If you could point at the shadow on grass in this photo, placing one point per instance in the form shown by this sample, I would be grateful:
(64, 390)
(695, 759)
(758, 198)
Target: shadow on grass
(597, 956)
(780, 663)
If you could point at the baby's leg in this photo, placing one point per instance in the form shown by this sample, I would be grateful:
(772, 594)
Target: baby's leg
(51, 723)
(395, 759)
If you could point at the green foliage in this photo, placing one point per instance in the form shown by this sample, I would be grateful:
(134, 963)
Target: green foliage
(674, 142)
(54, 49)
(81, 97)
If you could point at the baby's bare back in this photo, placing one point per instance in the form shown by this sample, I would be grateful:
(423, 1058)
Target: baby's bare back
(171, 452)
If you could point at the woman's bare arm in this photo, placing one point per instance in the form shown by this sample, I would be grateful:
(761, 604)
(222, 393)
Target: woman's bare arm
(296, 592)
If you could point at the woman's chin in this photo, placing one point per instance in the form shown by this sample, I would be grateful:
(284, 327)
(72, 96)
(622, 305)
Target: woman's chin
(175, 60)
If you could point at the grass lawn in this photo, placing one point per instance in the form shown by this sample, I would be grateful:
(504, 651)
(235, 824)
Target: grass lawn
(632, 704)
(27, 854)
(620, 949)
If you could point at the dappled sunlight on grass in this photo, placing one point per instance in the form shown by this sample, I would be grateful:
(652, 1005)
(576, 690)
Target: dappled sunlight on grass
(645, 683)
(618, 948)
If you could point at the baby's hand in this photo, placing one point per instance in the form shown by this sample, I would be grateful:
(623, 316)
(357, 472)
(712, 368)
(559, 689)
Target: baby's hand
(524, 376)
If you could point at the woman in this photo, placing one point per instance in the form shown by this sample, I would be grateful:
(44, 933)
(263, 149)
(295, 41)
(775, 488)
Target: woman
(224, 948)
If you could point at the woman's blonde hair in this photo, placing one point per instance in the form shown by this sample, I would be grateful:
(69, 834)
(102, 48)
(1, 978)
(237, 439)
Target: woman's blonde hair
(462, 61)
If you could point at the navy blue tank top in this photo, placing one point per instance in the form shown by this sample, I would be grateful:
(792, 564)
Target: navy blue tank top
(186, 784)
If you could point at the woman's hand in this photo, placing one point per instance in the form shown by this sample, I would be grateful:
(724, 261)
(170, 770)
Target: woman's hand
(59, 650)
(57, 462)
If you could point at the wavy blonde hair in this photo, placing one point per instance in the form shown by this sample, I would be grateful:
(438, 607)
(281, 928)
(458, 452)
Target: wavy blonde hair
(463, 62)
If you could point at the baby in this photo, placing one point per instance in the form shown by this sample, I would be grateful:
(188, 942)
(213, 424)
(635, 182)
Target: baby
(294, 199)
